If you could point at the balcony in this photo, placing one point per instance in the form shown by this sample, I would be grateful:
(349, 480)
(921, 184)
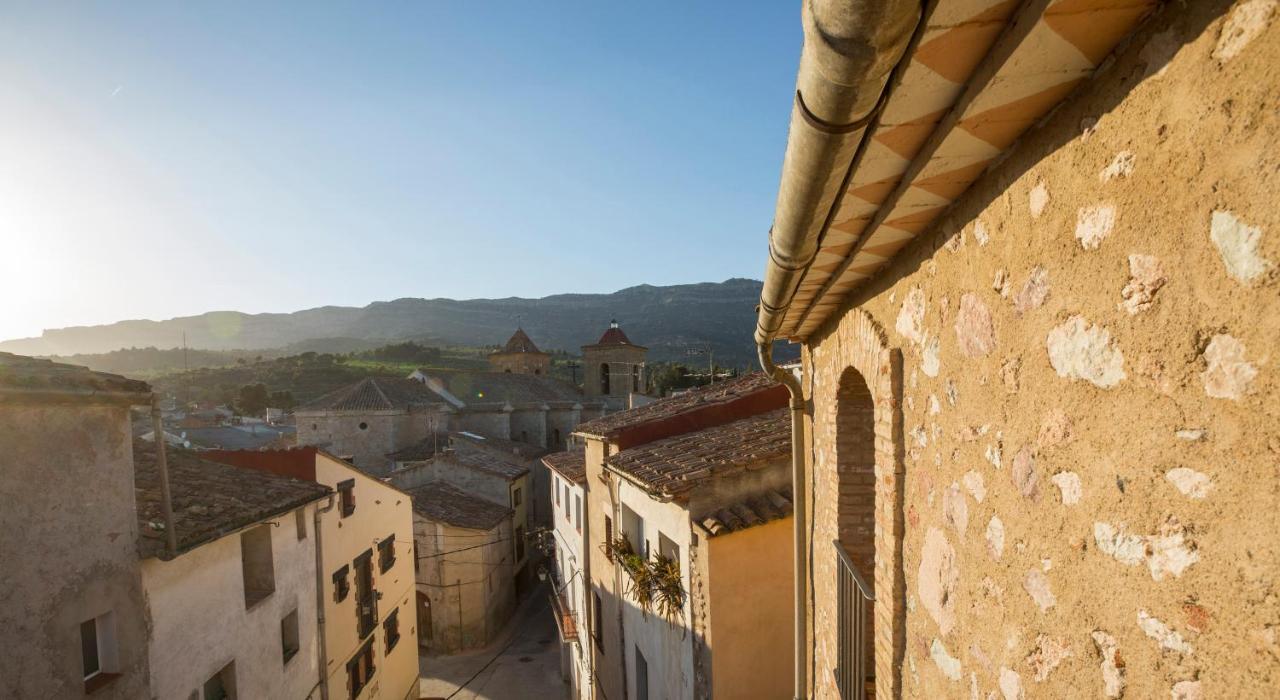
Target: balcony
(855, 646)
(566, 623)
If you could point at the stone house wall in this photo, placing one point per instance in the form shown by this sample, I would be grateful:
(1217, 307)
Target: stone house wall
(1071, 387)
(472, 593)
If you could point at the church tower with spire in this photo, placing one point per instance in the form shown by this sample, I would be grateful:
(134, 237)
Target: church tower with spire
(520, 356)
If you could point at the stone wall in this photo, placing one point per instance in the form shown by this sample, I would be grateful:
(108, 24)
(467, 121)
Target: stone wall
(621, 360)
(1077, 456)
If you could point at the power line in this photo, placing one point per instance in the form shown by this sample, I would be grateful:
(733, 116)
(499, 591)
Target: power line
(463, 549)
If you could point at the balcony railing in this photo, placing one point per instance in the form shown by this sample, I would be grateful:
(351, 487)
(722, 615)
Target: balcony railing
(854, 643)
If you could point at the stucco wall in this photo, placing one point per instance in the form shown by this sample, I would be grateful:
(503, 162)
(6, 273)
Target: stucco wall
(472, 593)
(192, 642)
(68, 541)
(569, 566)
(606, 661)
(493, 423)
(529, 425)
(751, 570)
(667, 647)
(381, 511)
(340, 433)
(1088, 399)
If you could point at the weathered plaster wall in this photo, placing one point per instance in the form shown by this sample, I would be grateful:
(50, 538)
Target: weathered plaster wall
(751, 570)
(381, 511)
(492, 423)
(68, 543)
(472, 593)
(340, 433)
(529, 425)
(570, 564)
(667, 647)
(1089, 397)
(190, 643)
(606, 653)
(560, 425)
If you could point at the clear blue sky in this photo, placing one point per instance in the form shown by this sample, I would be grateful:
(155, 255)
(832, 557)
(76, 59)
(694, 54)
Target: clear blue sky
(164, 159)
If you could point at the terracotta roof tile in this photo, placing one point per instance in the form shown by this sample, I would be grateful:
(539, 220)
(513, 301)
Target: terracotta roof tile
(675, 465)
(210, 500)
(720, 393)
(376, 394)
(516, 448)
(20, 373)
(750, 512)
(468, 455)
(447, 504)
(571, 464)
(519, 342)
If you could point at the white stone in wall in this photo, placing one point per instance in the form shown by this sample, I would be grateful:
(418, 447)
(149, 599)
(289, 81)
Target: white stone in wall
(1078, 350)
(1119, 544)
(1093, 224)
(1190, 434)
(1237, 245)
(1120, 166)
(995, 537)
(935, 407)
(1038, 199)
(948, 664)
(1036, 584)
(1228, 375)
(955, 509)
(1033, 292)
(1055, 429)
(1245, 23)
(980, 232)
(1186, 690)
(910, 323)
(1168, 639)
(993, 455)
(975, 332)
(1048, 653)
(974, 483)
(1169, 552)
(1000, 283)
(938, 580)
(1024, 474)
(1010, 684)
(930, 363)
(1068, 484)
(1112, 673)
(950, 390)
(1145, 279)
(1189, 482)
(919, 435)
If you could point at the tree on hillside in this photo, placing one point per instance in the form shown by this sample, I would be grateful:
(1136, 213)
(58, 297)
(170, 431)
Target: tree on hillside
(282, 400)
(252, 399)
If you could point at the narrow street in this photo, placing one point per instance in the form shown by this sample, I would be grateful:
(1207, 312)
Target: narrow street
(523, 663)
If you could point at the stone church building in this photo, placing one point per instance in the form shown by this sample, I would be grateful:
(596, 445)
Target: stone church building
(375, 418)
(1031, 254)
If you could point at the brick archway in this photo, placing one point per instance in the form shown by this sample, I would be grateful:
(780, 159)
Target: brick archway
(857, 499)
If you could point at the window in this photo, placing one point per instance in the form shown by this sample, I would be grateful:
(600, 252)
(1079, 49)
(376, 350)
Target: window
(608, 536)
(597, 621)
(98, 651)
(520, 543)
(386, 554)
(360, 669)
(391, 629)
(577, 509)
(632, 527)
(566, 502)
(366, 598)
(222, 686)
(555, 437)
(668, 548)
(556, 481)
(347, 496)
(604, 377)
(256, 565)
(635, 378)
(642, 676)
(524, 436)
(300, 522)
(364, 426)
(341, 585)
(516, 497)
(289, 636)
(417, 558)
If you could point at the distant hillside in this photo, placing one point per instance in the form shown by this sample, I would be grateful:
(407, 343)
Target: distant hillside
(668, 320)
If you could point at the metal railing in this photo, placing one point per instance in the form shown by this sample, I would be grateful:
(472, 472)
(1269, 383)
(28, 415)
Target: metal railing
(854, 644)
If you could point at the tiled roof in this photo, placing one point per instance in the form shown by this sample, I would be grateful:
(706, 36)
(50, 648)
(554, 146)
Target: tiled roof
(423, 449)
(472, 388)
(20, 373)
(719, 393)
(465, 454)
(210, 500)
(675, 465)
(571, 464)
(520, 342)
(514, 447)
(447, 504)
(749, 512)
(614, 336)
(376, 394)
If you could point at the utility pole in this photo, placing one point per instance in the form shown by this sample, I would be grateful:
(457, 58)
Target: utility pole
(705, 349)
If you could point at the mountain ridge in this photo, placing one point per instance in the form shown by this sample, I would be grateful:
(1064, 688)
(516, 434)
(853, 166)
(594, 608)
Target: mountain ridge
(668, 319)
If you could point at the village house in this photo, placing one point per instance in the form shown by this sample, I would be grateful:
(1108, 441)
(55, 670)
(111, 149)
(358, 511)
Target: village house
(364, 543)
(482, 473)
(568, 598)
(73, 619)
(232, 608)
(465, 573)
(632, 654)
(1029, 252)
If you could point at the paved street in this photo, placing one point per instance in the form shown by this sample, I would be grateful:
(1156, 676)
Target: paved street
(523, 663)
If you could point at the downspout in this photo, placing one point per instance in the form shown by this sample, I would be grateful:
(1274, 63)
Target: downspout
(851, 48)
(322, 649)
(162, 466)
